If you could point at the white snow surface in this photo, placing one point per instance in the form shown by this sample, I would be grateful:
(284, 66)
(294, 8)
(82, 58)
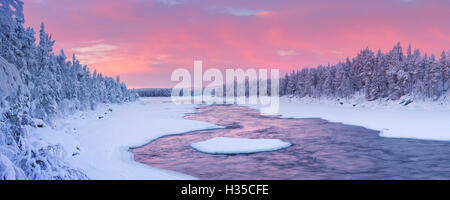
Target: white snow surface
(100, 146)
(418, 120)
(227, 145)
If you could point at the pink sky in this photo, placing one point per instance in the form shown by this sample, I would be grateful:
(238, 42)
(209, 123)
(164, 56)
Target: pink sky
(143, 41)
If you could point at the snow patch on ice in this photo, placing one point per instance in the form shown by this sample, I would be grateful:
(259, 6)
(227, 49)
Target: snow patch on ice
(226, 145)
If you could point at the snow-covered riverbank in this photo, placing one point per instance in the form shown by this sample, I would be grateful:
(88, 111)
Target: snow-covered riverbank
(418, 120)
(98, 143)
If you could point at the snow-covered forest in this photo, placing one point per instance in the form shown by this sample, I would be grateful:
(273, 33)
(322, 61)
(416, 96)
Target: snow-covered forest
(36, 86)
(391, 75)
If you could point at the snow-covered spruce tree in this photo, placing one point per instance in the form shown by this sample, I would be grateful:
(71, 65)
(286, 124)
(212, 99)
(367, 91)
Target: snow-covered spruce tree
(284, 84)
(392, 75)
(436, 78)
(300, 83)
(365, 64)
(346, 86)
(291, 83)
(444, 68)
(329, 87)
(395, 72)
(38, 85)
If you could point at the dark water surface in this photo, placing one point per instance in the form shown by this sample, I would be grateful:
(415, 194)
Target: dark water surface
(320, 150)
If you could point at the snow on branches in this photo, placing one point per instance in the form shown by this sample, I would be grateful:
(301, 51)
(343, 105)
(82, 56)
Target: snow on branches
(36, 83)
(391, 75)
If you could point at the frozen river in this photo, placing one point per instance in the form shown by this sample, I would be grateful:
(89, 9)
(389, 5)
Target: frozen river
(320, 150)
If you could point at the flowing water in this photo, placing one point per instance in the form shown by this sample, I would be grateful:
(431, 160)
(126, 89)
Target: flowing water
(320, 150)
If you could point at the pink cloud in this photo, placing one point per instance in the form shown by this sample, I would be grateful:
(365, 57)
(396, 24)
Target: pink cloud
(154, 37)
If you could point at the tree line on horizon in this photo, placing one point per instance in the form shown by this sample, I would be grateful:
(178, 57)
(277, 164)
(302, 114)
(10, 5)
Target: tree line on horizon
(154, 92)
(390, 75)
(378, 75)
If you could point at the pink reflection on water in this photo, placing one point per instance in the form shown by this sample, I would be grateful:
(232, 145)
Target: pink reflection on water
(320, 150)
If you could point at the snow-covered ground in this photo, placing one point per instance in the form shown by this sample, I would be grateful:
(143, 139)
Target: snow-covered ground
(226, 145)
(98, 143)
(417, 120)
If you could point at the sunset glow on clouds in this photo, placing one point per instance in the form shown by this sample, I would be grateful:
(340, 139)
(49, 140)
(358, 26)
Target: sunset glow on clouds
(145, 40)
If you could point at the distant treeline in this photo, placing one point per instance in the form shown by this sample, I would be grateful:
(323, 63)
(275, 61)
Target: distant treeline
(376, 75)
(391, 75)
(155, 92)
(167, 92)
